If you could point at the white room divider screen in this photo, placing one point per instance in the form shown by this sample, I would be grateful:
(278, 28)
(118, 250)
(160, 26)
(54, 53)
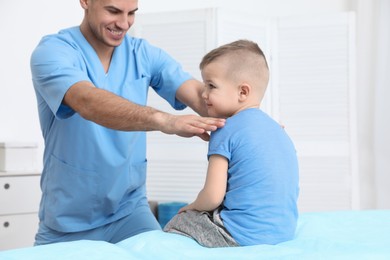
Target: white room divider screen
(311, 92)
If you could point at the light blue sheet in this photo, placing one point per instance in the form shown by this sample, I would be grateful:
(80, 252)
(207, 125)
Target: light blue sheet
(325, 235)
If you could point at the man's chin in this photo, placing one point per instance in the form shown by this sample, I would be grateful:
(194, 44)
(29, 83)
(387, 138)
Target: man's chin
(114, 44)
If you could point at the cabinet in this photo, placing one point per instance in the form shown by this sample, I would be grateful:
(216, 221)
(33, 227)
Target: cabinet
(311, 92)
(19, 199)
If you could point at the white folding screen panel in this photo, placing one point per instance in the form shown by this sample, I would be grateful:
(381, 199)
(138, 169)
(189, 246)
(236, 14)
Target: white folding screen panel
(315, 71)
(183, 34)
(311, 92)
(176, 166)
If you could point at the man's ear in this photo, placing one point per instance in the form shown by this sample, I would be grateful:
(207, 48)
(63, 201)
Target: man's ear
(84, 4)
(244, 91)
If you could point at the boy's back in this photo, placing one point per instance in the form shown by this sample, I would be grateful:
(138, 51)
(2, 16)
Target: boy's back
(260, 206)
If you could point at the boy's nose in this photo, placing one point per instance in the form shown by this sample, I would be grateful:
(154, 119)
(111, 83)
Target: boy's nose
(204, 94)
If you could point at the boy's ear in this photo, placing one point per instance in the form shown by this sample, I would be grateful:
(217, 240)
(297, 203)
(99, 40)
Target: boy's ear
(244, 90)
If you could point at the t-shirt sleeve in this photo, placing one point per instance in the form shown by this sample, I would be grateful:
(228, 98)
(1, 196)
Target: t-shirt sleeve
(220, 143)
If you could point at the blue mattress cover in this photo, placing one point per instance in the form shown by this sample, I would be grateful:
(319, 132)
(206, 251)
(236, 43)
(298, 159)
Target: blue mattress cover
(320, 235)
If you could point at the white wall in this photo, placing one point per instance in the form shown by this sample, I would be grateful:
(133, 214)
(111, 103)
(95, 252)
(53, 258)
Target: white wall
(381, 108)
(23, 23)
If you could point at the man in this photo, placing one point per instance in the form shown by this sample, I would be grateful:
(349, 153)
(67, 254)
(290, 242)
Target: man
(91, 84)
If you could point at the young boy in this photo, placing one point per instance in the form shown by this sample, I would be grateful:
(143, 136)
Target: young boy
(251, 189)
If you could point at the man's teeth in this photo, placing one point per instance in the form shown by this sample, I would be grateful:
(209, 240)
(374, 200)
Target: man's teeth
(115, 32)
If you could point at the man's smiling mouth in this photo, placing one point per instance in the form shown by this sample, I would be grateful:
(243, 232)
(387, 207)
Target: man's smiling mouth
(115, 32)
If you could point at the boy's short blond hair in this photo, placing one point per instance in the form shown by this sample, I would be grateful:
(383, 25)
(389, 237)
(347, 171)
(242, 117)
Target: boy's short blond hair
(246, 63)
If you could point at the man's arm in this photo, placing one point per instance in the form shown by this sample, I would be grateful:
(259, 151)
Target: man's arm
(190, 93)
(112, 111)
(214, 190)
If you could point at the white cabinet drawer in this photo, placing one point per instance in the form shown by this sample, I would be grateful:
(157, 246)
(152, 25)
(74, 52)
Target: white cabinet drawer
(19, 194)
(18, 231)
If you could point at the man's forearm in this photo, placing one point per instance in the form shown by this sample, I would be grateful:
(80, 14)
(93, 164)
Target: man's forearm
(190, 93)
(112, 111)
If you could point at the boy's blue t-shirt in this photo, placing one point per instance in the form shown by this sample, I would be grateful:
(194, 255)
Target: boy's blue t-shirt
(260, 205)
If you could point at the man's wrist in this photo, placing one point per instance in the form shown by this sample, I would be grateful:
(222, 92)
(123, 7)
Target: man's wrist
(161, 122)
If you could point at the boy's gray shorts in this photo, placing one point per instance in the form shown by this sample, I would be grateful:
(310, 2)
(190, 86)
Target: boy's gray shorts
(204, 227)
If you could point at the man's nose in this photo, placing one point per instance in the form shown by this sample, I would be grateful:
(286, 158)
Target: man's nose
(125, 22)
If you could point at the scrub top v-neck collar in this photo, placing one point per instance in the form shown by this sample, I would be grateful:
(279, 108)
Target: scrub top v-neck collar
(93, 58)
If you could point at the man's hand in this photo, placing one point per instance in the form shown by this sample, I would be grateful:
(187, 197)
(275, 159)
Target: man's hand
(191, 125)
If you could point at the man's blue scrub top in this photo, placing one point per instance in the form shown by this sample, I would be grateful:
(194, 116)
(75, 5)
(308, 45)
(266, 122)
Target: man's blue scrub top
(94, 175)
